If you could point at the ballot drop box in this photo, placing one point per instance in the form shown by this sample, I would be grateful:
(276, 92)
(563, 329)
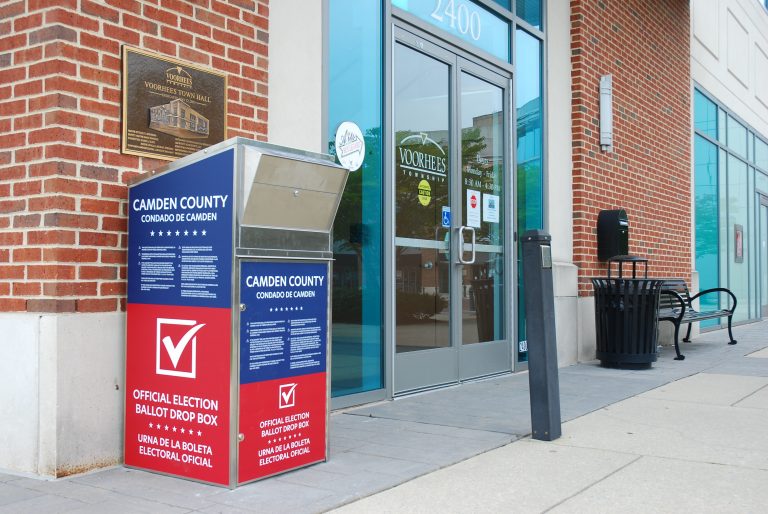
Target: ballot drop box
(228, 313)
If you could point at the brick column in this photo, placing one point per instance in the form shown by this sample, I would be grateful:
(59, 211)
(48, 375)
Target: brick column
(63, 204)
(645, 45)
(62, 175)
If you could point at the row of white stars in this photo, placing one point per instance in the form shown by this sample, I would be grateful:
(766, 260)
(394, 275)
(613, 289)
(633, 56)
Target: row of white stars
(183, 431)
(178, 233)
(286, 438)
(284, 309)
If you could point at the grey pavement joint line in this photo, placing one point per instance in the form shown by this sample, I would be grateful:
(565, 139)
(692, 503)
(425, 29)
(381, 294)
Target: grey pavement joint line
(681, 432)
(747, 396)
(116, 492)
(511, 434)
(590, 486)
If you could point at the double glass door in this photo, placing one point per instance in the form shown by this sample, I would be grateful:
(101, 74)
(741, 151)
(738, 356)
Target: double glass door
(452, 219)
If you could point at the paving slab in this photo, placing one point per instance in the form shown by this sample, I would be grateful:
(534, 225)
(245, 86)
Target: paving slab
(709, 388)
(679, 447)
(10, 493)
(655, 484)
(757, 400)
(378, 447)
(272, 496)
(43, 503)
(129, 505)
(760, 354)
(66, 489)
(509, 479)
(741, 366)
(688, 431)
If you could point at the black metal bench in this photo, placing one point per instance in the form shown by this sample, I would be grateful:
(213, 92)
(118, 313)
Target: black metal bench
(676, 305)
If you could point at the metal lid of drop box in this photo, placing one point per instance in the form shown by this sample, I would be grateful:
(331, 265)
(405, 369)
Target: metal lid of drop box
(286, 199)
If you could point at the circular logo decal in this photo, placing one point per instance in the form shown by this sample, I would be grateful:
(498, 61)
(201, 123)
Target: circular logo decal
(350, 146)
(473, 201)
(425, 193)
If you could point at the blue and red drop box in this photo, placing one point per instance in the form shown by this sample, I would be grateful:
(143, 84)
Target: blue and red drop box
(193, 391)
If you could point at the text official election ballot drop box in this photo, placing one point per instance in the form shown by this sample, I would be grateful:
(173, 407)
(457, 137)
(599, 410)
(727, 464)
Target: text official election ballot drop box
(229, 253)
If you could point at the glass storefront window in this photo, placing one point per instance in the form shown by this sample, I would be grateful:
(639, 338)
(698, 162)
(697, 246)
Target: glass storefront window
(705, 115)
(722, 134)
(722, 214)
(466, 20)
(763, 262)
(761, 154)
(729, 227)
(750, 235)
(530, 187)
(761, 183)
(737, 137)
(706, 205)
(355, 94)
(738, 221)
(530, 11)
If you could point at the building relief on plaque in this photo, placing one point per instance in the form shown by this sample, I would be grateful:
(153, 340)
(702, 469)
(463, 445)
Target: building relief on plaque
(178, 119)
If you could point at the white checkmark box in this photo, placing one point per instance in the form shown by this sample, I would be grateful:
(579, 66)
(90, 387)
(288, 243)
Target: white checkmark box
(287, 396)
(166, 345)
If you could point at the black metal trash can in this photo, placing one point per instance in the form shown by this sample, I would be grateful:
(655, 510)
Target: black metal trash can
(625, 321)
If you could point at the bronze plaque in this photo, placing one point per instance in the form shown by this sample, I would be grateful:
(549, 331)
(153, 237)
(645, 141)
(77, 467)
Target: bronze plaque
(170, 108)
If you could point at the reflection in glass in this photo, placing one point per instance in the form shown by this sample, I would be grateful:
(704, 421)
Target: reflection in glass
(422, 181)
(705, 115)
(482, 172)
(530, 11)
(722, 128)
(737, 137)
(530, 189)
(706, 205)
(750, 234)
(354, 93)
(728, 209)
(761, 154)
(738, 272)
(763, 268)
(722, 214)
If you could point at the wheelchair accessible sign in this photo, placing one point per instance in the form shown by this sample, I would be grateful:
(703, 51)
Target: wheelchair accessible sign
(446, 217)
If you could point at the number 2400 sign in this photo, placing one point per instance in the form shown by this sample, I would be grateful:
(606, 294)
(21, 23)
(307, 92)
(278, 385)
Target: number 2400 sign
(459, 16)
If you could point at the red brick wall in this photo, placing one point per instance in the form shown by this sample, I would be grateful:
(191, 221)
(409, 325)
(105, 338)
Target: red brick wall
(645, 45)
(62, 176)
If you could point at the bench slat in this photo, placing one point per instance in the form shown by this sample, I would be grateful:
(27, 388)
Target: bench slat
(700, 316)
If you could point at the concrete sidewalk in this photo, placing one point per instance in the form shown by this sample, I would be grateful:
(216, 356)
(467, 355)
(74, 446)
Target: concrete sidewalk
(682, 435)
(699, 444)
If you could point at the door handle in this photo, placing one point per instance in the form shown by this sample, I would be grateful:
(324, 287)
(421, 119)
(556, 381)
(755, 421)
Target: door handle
(461, 243)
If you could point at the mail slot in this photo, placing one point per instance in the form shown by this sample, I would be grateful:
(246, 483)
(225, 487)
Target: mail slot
(612, 234)
(228, 326)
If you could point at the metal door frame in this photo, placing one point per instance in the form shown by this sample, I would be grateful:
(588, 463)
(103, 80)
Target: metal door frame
(470, 366)
(458, 60)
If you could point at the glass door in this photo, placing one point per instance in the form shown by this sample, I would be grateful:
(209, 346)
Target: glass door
(481, 200)
(450, 157)
(424, 355)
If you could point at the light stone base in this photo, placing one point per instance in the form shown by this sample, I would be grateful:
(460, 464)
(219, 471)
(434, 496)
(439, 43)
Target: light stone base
(62, 397)
(564, 278)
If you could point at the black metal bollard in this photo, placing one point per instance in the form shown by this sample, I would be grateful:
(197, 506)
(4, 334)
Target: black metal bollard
(540, 332)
